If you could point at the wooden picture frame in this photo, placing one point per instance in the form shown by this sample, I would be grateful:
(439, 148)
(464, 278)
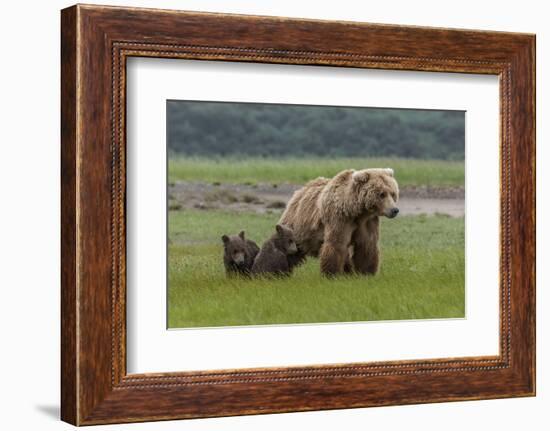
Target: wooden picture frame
(95, 43)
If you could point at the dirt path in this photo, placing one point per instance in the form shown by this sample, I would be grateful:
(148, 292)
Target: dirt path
(263, 198)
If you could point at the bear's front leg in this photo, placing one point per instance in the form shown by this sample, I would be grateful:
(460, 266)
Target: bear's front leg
(334, 251)
(366, 255)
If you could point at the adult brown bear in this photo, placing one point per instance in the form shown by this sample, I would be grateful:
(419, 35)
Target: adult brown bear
(338, 219)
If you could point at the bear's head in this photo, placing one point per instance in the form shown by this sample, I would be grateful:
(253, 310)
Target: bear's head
(377, 191)
(235, 248)
(284, 240)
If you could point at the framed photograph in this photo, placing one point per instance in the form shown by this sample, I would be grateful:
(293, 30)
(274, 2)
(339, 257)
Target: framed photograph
(264, 214)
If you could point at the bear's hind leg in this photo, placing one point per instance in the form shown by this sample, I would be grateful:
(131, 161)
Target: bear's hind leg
(348, 266)
(334, 252)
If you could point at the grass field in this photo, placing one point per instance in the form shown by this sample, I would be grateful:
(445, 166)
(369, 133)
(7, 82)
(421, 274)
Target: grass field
(298, 171)
(421, 276)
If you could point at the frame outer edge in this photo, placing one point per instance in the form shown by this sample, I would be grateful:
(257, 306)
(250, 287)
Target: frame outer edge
(69, 201)
(524, 215)
(88, 397)
(533, 54)
(532, 100)
(531, 83)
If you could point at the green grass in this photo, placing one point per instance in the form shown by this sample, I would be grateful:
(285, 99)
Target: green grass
(298, 171)
(421, 276)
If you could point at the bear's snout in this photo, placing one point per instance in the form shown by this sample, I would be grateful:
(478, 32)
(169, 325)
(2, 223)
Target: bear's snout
(238, 258)
(393, 212)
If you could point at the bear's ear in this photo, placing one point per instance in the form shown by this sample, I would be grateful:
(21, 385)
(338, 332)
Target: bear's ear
(241, 234)
(279, 229)
(360, 176)
(389, 171)
(225, 239)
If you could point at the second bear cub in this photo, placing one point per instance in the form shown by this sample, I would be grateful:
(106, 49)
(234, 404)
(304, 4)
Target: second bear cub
(275, 255)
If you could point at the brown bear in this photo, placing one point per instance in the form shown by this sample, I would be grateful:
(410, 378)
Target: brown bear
(275, 256)
(338, 219)
(239, 254)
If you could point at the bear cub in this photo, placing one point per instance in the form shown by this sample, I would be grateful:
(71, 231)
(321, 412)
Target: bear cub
(239, 254)
(276, 254)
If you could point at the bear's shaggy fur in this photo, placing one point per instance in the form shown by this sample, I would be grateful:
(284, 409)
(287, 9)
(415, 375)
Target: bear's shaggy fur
(239, 254)
(276, 254)
(338, 219)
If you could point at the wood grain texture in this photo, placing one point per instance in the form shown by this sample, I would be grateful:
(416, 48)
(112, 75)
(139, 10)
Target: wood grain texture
(96, 41)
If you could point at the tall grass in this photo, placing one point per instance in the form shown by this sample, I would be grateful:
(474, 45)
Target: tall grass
(409, 172)
(421, 276)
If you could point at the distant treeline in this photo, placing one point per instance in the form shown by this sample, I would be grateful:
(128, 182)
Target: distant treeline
(216, 129)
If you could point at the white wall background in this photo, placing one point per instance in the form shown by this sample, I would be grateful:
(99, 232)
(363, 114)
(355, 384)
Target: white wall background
(29, 214)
